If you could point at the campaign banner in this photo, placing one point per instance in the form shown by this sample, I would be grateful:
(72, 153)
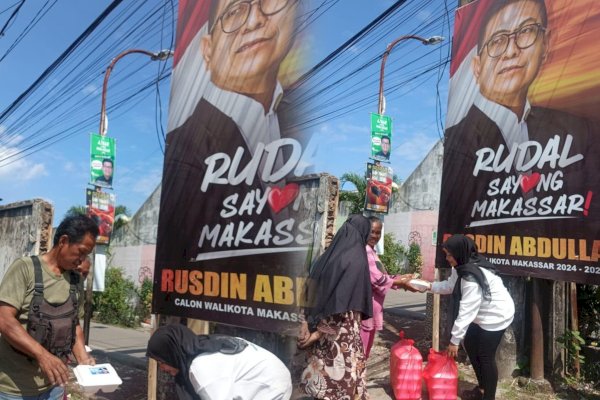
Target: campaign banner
(379, 188)
(381, 137)
(232, 233)
(101, 208)
(521, 147)
(102, 165)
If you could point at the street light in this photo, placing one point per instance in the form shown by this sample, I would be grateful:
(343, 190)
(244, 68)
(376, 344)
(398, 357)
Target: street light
(428, 41)
(160, 56)
(380, 108)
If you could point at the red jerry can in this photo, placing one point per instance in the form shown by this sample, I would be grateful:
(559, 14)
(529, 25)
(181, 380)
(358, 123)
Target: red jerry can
(441, 376)
(406, 366)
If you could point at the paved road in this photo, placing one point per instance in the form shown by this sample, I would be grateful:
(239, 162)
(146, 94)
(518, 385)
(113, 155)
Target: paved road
(127, 346)
(406, 304)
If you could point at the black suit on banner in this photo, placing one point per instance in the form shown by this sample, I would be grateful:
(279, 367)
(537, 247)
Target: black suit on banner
(206, 132)
(461, 190)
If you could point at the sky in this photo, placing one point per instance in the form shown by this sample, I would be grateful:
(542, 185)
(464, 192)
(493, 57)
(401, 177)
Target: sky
(58, 169)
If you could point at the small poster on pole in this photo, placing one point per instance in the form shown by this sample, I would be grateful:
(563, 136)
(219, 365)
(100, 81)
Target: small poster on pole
(101, 208)
(379, 188)
(102, 164)
(381, 137)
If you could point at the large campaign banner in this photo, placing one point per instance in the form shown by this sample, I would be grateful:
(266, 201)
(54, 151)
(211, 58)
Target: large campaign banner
(520, 171)
(232, 236)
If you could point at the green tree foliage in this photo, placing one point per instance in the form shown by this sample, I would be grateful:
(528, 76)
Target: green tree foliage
(572, 341)
(120, 210)
(398, 259)
(394, 257)
(116, 305)
(144, 308)
(415, 259)
(588, 301)
(75, 210)
(357, 197)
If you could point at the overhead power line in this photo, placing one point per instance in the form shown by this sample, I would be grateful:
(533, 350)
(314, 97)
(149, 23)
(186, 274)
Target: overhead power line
(349, 42)
(37, 18)
(7, 111)
(12, 16)
(344, 82)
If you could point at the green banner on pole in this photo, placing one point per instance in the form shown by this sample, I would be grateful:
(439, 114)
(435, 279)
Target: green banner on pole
(381, 137)
(102, 166)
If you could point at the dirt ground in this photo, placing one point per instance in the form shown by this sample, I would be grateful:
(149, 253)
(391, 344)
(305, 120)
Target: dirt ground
(515, 388)
(135, 383)
(134, 387)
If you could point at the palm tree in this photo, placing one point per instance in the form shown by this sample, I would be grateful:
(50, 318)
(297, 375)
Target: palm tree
(355, 197)
(76, 210)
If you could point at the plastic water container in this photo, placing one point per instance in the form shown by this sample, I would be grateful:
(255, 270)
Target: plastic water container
(406, 366)
(441, 376)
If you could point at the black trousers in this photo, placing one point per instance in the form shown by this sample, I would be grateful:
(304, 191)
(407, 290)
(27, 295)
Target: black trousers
(481, 346)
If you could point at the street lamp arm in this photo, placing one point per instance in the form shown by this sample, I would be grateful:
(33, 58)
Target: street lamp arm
(161, 55)
(425, 41)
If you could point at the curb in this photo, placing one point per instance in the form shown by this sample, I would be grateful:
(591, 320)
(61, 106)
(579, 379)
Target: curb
(134, 362)
(401, 312)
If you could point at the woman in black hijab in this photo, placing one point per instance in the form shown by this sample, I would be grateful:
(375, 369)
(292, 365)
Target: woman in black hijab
(218, 366)
(340, 298)
(483, 309)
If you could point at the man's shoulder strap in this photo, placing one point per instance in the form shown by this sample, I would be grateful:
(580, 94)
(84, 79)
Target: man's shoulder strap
(39, 281)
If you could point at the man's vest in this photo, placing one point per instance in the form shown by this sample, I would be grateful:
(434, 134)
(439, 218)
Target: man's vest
(53, 325)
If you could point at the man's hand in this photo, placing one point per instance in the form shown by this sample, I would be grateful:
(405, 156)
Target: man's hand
(79, 351)
(452, 350)
(13, 332)
(87, 361)
(54, 368)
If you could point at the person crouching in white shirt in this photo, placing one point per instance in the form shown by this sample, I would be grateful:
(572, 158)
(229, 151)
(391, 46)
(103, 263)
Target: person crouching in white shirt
(218, 367)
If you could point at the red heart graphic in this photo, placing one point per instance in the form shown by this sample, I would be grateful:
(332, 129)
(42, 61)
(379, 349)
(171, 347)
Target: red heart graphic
(280, 198)
(528, 182)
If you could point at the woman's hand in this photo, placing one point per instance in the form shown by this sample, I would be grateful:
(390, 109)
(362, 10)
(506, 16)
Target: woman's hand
(452, 350)
(402, 282)
(304, 333)
(420, 288)
(307, 342)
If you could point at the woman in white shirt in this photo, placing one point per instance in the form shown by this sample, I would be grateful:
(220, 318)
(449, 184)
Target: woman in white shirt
(218, 367)
(483, 309)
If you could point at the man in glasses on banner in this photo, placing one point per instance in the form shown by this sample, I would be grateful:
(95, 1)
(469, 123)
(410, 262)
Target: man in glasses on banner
(221, 153)
(496, 156)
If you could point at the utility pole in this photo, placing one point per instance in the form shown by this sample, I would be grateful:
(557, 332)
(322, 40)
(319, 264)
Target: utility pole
(160, 56)
(381, 99)
(386, 53)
